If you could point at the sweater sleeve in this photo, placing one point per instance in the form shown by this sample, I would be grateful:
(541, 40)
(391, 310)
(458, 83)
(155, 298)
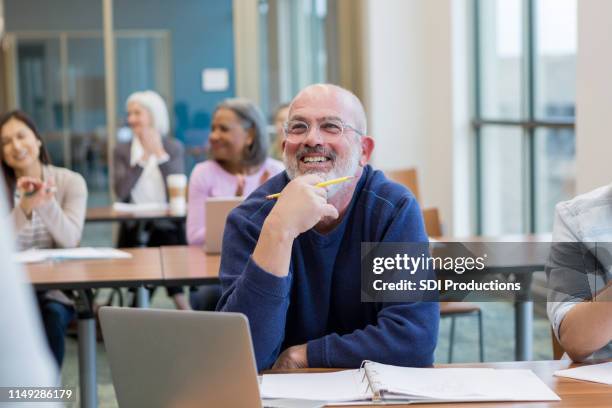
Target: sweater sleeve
(404, 334)
(126, 176)
(199, 191)
(20, 220)
(248, 289)
(64, 220)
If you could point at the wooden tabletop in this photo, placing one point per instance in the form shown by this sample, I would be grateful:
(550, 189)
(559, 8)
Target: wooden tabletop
(145, 267)
(107, 214)
(573, 393)
(189, 265)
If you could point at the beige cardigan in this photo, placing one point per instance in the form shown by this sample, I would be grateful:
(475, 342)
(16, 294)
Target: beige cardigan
(64, 216)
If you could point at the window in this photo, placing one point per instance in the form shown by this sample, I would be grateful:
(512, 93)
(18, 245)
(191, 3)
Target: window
(525, 81)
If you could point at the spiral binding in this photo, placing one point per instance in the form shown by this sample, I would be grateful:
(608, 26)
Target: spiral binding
(373, 384)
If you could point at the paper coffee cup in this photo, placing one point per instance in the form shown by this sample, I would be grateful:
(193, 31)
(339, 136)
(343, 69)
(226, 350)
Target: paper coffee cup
(177, 193)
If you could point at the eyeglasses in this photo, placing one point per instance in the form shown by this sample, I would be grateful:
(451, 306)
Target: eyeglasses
(330, 129)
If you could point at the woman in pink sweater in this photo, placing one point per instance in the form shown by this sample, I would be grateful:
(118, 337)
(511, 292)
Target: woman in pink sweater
(238, 146)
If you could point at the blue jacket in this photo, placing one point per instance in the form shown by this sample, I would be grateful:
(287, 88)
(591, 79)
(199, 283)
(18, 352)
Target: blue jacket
(319, 302)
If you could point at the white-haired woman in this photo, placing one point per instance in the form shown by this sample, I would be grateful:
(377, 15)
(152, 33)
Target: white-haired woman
(141, 170)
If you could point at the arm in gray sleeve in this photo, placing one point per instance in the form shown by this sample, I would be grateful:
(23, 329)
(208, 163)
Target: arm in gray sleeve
(572, 269)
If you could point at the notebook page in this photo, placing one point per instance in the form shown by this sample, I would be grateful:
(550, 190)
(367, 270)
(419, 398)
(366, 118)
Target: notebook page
(41, 255)
(600, 373)
(337, 386)
(462, 384)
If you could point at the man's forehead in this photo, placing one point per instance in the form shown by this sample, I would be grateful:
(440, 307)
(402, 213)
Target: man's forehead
(321, 102)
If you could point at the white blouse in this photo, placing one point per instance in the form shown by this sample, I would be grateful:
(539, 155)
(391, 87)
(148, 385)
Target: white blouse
(150, 187)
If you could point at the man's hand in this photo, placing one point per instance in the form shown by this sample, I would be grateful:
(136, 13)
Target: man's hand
(300, 207)
(34, 193)
(293, 357)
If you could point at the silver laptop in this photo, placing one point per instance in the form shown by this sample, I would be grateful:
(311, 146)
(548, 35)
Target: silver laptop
(217, 210)
(170, 358)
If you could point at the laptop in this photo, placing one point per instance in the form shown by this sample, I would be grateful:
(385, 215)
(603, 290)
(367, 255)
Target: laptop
(171, 358)
(217, 210)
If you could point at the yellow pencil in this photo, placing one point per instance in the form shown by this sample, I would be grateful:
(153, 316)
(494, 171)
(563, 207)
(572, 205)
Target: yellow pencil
(322, 184)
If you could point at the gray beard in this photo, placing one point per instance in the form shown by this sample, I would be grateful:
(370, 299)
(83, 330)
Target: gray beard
(341, 168)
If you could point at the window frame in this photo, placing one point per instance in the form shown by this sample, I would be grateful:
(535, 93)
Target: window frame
(529, 124)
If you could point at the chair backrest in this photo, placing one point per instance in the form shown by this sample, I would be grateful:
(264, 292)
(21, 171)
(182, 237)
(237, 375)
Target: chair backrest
(433, 226)
(558, 350)
(407, 177)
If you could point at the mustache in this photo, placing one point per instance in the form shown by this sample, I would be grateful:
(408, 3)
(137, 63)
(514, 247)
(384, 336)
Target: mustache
(305, 150)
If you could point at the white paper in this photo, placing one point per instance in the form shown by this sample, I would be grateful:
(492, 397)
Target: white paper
(291, 403)
(337, 386)
(140, 208)
(411, 384)
(463, 384)
(42, 255)
(600, 373)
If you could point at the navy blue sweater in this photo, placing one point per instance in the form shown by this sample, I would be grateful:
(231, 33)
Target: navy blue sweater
(319, 302)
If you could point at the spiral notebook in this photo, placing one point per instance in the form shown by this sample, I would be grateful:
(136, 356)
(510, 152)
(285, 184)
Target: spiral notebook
(375, 382)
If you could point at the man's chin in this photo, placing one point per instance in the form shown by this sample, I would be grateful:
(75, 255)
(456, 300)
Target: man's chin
(325, 175)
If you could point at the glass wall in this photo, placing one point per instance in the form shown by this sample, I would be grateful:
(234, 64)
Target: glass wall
(61, 85)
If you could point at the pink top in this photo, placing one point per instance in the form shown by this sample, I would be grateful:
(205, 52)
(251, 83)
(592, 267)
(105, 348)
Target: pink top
(209, 179)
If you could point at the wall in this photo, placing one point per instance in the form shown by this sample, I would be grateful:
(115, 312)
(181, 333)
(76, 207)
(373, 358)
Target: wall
(593, 95)
(201, 33)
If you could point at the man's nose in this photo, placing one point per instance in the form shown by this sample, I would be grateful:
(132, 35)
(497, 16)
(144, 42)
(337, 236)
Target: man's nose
(314, 137)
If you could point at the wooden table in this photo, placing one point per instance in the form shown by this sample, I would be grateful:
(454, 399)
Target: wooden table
(530, 255)
(189, 265)
(145, 267)
(573, 393)
(107, 214)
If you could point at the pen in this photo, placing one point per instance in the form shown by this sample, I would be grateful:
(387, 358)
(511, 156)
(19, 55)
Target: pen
(322, 184)
(47, 190)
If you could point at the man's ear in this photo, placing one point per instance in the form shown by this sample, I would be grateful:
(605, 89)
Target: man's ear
(367, 146)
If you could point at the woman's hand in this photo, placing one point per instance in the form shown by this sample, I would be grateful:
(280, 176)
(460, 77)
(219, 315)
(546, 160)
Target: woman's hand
(151, 142)
(34, 193)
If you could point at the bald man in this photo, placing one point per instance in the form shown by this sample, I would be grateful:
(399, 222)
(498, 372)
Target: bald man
(292, 265)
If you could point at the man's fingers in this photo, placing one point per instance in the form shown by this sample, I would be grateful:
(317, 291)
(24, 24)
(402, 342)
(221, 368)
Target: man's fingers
(280, 364)
(330, 211)
(321, 192)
